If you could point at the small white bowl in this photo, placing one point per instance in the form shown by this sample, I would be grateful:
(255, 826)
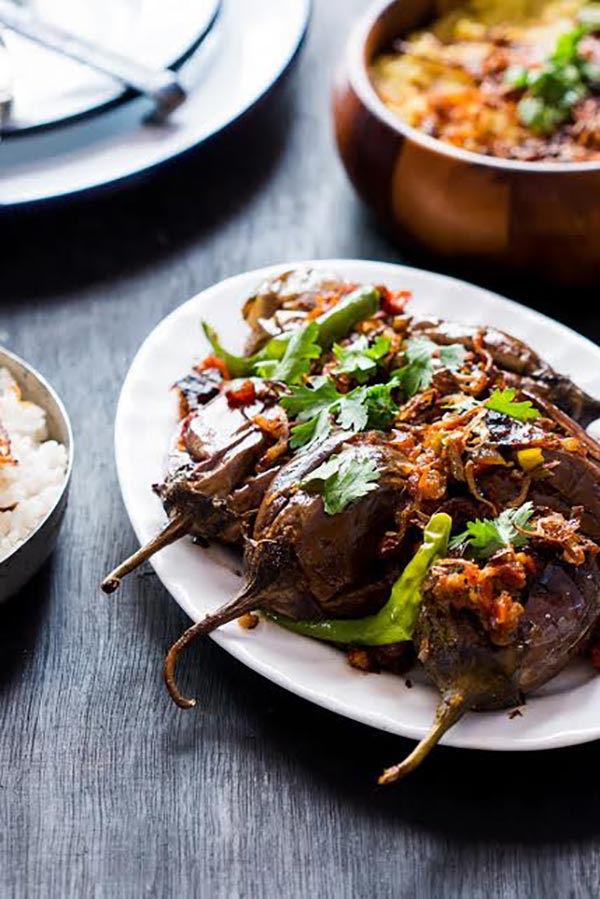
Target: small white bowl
(27, 558)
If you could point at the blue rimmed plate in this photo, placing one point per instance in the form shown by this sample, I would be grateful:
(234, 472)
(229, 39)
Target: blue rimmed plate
(250, 46)
(50, 89)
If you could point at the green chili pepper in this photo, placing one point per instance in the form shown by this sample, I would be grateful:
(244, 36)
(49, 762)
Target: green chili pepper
(338, 321)
(334, 324)
(243, 366)
(395, 622)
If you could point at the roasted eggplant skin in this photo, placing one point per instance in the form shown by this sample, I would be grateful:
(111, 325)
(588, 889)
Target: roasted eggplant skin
(234, 479)
(562, 608)
(521, 365)
(561, 614)
(214, 475)
(561, 603)
(214, 480)
(283, 302)
(306, 564)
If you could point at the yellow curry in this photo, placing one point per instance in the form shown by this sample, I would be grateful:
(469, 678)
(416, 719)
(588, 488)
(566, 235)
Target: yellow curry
(519, 79)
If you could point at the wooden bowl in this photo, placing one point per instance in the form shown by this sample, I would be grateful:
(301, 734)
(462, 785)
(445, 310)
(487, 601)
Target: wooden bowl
(479, 210)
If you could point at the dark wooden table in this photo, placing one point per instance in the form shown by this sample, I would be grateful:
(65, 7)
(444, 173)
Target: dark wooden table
(106, 789)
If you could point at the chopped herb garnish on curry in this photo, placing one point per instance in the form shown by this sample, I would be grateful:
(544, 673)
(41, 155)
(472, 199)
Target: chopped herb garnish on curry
(519, 79)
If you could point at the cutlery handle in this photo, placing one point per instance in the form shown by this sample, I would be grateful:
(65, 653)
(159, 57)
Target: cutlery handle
(161, 85)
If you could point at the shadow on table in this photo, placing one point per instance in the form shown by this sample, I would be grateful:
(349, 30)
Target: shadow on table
(477, 796)
(21, 620)
(96, 237)
(528, 798)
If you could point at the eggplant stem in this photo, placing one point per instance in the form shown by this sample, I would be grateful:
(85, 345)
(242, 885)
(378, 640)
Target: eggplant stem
(178, 527)
(243, 602)
(448, 713)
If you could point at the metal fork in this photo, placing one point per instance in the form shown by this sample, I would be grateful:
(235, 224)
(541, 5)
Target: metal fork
(160, 85)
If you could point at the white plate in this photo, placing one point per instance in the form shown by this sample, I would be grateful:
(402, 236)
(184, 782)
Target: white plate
(245, 53)
(50, 88)
(565, 712)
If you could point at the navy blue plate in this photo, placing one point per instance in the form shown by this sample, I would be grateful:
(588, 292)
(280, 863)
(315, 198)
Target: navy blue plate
(251, 45)
(52, 90)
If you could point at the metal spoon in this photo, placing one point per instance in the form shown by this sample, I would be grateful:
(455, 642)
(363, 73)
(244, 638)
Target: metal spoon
(161, 85)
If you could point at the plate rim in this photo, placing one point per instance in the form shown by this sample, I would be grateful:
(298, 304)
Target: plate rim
(118, 182)
(238, 649)
(122, 94)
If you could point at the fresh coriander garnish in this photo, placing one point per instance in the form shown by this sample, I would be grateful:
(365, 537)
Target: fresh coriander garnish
(311, 405)
(381, 408)
(359, 360)
(552, 90)
(319, 406)
(297, 359)
(351, 411)
(484, 537)
(306, 400)
(312, 431)
(422, 357)
(503, 401)
(344, 478)
(367, 407)
(451, 356)
(332, 325)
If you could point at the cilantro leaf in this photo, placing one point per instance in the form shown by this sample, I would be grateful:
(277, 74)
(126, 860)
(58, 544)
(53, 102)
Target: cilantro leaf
(312, 431)
(486, 536)
(312, 406)
(417, 374)
(359, 359)
(422, 355)
(551, 91)
(296, 362)
(517, 77)
(381, 408)
(566, 51)
(368, 407)
(534, 113)
(319, 405)
(352, 412)
(307, 400)
(503, 401)
(344, 478)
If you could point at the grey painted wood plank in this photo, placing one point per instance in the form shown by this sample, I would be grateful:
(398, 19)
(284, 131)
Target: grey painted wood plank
(105, 788)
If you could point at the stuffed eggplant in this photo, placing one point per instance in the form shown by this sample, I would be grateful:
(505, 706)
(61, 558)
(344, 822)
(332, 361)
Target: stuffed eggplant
(401, 487)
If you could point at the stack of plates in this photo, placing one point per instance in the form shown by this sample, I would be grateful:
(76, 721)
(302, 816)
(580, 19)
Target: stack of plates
(71, 129)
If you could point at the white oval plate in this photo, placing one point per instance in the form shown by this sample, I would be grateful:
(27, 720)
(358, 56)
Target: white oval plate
(565, 712)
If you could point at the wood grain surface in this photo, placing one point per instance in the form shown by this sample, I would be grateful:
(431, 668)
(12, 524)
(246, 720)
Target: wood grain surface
(108, 790)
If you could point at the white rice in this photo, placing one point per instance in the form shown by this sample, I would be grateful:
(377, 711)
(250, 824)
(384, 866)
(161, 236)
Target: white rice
(29, 488)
